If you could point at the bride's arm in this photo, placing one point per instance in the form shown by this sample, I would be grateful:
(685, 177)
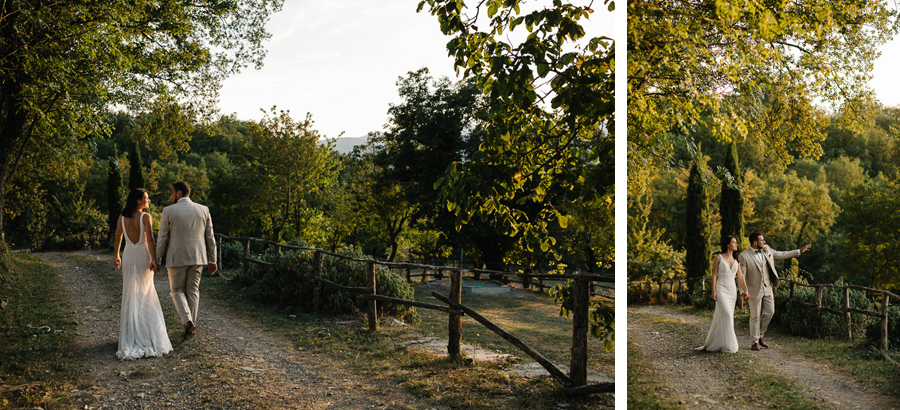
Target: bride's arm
(118, 241)
(151, 244)
(715, 273)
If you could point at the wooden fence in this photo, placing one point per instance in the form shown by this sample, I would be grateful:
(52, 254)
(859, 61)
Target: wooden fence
(669, 286)
(576, 380)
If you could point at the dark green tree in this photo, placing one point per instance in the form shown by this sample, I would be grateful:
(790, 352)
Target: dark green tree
(136, 172)
(731, 204)
(697, 249)
(115, 201)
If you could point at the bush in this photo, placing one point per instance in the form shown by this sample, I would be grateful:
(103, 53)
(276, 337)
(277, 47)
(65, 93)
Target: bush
(804, 321)
(873, 332)
(286, 283)
(701, 298)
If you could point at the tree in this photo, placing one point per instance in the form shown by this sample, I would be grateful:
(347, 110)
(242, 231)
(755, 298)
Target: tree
(697, 249)
(731, 205)
(63, 63)
(531, 152)
(872, 234)
(750, 69)
(136, 170)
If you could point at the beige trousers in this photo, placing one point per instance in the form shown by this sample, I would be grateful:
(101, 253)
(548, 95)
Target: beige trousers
(762, 309)
(184, 284)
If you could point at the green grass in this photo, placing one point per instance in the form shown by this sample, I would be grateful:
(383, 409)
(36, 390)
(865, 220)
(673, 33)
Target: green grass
(646, 389)
(36, 339)
(441, 381)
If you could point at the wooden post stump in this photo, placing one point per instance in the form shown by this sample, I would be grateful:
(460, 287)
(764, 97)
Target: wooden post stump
(581, 301)
(455, 325)
(317, 274)
(373, 312)
(847, 319)
(885, 302)
(219, 252)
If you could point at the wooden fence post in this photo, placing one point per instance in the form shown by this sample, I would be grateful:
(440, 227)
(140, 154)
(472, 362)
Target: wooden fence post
(317, 274)
(408, 277)
(581, 301)
(246, 255)
(793, 288)
(818, 304)
(373, 312)
(847, 318)
(455, 325)
(885, 302)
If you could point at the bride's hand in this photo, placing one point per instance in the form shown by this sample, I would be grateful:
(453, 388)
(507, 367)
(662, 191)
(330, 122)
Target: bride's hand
(154, 268)
(118, 262)
(714, 296)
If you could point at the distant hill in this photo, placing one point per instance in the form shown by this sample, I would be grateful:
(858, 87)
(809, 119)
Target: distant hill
(345, 145)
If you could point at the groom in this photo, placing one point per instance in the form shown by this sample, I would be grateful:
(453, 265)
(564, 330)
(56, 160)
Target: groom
(186, 237)
(758, 266)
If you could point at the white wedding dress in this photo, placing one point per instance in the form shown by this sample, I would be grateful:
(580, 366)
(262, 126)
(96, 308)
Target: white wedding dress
(142, 329)
(721, 337)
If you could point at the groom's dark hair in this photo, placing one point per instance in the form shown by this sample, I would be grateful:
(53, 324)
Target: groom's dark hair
(754, 236)
(182, 187)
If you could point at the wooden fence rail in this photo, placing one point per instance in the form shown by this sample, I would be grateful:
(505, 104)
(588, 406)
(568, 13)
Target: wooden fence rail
(845, 310)
(576, 380)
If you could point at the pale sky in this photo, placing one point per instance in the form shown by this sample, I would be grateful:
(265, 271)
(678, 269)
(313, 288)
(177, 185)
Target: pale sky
(885, 76)
(340, 61)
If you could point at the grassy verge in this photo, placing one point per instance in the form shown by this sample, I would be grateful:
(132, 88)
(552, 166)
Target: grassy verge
(458, 384)
(646, 390)
(36, 339)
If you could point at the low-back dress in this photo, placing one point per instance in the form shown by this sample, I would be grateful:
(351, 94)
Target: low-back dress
(142, 329)
(721, 336)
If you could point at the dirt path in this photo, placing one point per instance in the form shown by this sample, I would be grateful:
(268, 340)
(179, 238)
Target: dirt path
(232, 362)
(699, 380)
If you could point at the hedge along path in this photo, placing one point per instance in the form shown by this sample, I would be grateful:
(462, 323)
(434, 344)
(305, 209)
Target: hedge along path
(232, 362)
(699, 380)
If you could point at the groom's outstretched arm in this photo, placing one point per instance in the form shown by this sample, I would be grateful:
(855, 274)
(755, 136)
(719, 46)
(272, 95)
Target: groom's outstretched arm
(785, 255)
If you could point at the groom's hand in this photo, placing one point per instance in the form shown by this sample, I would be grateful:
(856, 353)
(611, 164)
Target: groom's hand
(805, 248)
(212, 268)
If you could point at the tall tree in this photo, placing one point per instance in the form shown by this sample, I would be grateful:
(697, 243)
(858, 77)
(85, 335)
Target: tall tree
(697, 249)
(731, 203)
(136, 170)
(62, 63)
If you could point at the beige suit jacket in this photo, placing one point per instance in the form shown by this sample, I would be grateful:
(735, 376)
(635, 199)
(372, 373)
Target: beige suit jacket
(186, 235)
(754, 270)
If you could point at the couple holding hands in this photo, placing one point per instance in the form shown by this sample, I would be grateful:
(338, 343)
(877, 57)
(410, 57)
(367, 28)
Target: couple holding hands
(186, 238)
(757, 264)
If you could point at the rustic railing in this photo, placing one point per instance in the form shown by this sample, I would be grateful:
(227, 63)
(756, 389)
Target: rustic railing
(666, 286)
(846, 310)
(576, 380)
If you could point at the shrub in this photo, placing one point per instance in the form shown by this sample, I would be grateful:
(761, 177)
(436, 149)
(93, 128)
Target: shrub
(873, 332)
(702, 298)
(804, 321)
(286, 283)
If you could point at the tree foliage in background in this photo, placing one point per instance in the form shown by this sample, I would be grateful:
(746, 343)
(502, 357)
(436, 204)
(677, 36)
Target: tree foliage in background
(872, 232)
(62, 64)
(533, 156)
(115, 197)
(697, 249)
(136, 169)
(773, 59)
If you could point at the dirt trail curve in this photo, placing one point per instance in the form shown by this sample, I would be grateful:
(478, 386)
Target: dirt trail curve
(232, 362)
(698, 383)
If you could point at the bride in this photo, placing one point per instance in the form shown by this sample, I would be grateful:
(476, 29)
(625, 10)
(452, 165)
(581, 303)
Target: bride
(721, 335)
(142, 329)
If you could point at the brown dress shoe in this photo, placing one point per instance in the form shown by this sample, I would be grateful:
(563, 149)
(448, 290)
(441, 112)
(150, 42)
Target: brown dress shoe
(754, 347)
(189, 331)
(763, 344)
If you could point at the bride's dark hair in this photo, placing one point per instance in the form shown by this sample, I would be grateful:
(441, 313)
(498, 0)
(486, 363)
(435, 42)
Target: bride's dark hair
(131, 204)
(726, 240)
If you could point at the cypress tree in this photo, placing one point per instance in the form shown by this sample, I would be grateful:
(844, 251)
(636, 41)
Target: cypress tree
(731, 206)
(697, 249)
(114, 196)
(136, 173)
